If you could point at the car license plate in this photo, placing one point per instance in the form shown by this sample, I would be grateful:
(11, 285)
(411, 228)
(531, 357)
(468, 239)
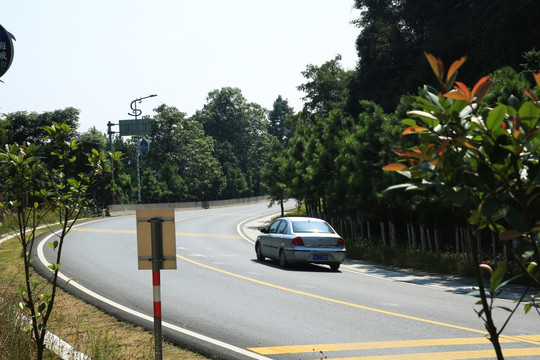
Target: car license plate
(320, 257)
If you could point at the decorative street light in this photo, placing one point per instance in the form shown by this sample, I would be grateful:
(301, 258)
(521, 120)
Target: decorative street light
(137, 112)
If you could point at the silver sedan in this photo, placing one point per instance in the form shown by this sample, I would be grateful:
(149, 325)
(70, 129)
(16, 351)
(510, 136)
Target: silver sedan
(301, 240)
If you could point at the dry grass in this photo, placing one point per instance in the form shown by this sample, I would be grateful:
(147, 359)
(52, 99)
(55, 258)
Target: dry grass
(88, 329)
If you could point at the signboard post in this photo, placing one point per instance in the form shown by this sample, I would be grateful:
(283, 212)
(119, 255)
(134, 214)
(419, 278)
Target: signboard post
(136, 127)
(156, 247)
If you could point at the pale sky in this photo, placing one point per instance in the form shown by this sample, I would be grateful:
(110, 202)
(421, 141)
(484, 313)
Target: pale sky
(100, 55)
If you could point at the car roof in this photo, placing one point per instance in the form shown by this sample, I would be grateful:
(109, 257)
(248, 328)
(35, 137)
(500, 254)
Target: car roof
(302, 218)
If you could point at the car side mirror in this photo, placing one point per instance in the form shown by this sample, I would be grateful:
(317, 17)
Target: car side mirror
(263, 229)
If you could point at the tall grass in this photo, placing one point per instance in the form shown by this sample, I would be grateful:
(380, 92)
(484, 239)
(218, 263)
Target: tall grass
(15, 337)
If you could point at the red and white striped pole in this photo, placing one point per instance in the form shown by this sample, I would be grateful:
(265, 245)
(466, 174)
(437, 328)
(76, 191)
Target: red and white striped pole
(157, 265)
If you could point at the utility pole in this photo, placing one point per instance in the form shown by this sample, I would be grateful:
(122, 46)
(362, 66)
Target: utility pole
(110, 132)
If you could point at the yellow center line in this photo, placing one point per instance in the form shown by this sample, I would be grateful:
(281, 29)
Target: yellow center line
(209, 235)
(370, 345)
(115, 231)
(518, 339)
(212, 214)
(451, 355)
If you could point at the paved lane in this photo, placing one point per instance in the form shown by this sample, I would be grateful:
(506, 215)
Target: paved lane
(221, 300)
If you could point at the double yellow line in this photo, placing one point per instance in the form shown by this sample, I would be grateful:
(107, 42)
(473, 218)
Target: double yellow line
(454, 355)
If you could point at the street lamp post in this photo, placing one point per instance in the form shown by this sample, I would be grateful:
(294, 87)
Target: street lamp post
(136, 112)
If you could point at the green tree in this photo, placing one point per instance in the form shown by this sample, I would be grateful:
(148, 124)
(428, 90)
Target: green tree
(277, 120)
(102, 189)
(276, 175)
(154, 188)
(393, 35)
(383, 48)
(508, 85)
(124, 186)
(3, 132)
(239, 129)
(23, 126)
(32, 188)
(182, 157)
(485, 160)
(326, 88)
(531, 63)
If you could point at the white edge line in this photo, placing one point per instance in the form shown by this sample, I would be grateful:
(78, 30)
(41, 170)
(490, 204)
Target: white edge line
(240, 225)
(89, 292)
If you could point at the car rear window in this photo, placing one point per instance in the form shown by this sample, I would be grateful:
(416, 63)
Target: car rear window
(311, 227)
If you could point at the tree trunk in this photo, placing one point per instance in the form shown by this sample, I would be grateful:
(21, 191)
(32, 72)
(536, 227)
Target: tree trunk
(494, 248)
(413, 236)
(437, 245)
(383, 233)
(488, 321)
(392, 234)
(429, 240)
(422, 238)
(457, 240)
(464, 249)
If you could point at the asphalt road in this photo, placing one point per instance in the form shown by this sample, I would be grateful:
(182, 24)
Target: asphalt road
(222, 301)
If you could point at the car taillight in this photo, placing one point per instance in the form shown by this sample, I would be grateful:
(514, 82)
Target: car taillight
(341, 242)
(297, 241)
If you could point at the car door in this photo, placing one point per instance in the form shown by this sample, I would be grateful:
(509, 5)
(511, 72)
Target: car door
(269, 240)
(281, 236)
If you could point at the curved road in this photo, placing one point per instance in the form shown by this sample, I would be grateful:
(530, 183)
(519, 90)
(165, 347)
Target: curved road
(222, 301)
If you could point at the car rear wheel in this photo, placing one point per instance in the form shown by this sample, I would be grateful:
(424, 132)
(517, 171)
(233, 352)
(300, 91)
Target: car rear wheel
(334, 266)
(282, 259)
(260, 255)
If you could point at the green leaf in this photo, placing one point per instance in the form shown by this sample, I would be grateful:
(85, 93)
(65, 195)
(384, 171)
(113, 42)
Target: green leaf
(54, 244)
(475, 218)
(426, 117)
(497, 276)
(490, 208)
(54, 267)
(398, 186)
(458, 196)
(529, 115)
(72, 279)
(42, 307)
(409, 122)
(514, 102)
(496, 117)
(514, 217)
